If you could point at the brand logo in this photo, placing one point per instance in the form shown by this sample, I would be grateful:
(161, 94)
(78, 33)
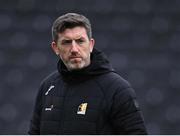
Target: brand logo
(49, 108)
(51, 87)
(82, 108)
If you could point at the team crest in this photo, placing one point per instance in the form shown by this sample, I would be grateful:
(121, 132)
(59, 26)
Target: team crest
(82, 108)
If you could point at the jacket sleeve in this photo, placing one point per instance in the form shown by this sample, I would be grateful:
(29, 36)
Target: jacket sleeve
(34, 128)
(126, 117)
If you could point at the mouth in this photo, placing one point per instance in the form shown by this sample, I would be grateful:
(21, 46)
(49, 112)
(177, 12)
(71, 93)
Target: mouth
(74, 57)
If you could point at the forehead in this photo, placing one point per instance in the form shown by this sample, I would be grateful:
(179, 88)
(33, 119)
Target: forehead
(73, 33)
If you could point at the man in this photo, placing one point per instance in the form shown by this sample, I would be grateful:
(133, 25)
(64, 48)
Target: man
(85, 95)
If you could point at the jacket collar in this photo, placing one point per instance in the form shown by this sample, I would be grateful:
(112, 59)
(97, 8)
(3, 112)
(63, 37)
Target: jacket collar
(99, 65)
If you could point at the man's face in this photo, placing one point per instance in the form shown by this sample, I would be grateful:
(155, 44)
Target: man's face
(74, 48)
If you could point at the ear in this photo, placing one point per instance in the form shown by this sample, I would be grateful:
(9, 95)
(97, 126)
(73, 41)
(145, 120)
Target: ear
(55, 48)
(92, 43)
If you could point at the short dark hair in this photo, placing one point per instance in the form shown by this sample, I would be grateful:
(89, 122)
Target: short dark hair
(70, 20)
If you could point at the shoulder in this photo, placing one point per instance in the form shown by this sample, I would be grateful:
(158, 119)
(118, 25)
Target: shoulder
(121, 85)
(112, 84)
(51, 77)
(113, 79)
(48, 80)
(121, 88)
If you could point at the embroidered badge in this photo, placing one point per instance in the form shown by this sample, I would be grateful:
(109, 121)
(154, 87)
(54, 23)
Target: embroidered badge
(82, 108)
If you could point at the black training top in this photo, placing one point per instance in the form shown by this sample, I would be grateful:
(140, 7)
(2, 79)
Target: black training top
(93, 100)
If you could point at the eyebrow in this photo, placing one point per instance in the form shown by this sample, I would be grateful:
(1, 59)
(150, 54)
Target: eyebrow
(68, 39)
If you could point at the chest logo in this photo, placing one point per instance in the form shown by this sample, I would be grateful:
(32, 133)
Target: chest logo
(51, 87)
(82, 108)
(49, 108)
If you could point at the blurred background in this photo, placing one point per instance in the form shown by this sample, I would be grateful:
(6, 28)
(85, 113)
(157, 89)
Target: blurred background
(140, 37)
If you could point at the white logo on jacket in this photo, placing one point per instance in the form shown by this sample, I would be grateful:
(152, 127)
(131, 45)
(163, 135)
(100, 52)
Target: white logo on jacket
(50, 88)
(49, 108)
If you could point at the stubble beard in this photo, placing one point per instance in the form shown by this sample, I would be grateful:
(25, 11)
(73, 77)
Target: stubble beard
(74, 65)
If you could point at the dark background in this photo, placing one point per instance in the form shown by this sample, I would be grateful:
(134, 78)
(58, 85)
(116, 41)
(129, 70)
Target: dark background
(140, 37)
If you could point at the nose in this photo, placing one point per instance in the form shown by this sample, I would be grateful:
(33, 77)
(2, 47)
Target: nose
(74, 47)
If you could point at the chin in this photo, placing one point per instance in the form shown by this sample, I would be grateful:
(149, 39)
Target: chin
(76, 66)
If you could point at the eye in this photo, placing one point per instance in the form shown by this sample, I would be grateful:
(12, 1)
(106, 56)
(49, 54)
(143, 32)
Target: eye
(66, 42)
(80, 41)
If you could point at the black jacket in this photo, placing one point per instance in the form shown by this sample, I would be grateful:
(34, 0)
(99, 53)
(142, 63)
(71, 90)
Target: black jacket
(93, 100)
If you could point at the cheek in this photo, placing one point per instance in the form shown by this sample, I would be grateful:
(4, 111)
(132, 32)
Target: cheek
(63, 53)
(86, 52)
